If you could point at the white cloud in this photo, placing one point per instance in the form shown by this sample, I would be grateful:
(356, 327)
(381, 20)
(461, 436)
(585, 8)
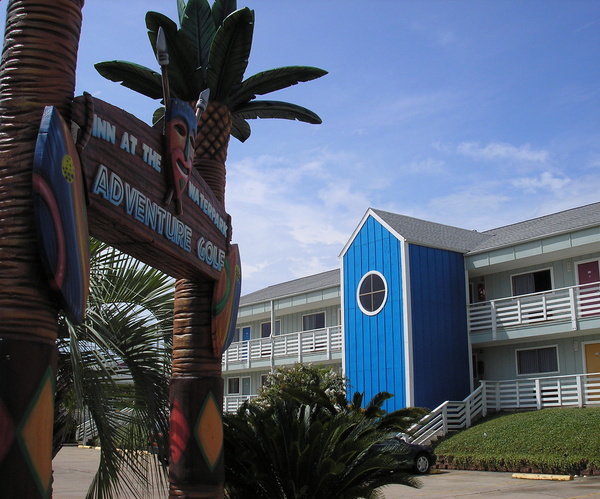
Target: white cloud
(503, 151)
(545, 180)
(291, 217)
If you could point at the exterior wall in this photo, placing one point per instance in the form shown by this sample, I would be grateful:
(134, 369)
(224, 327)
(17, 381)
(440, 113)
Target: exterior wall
(564, 274)
(500, 361)
(439, 326)
(291, 323)
(374, 345)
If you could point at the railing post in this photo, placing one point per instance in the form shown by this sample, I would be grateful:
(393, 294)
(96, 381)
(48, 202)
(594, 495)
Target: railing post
(498, 401)
(468, 414)
(484, 407)
(299, 347)
(538, 394)
(580, 391)
(445, 420)
(272, 351)
(544, 307)
(494, 325)
(573, 306)
(328, 343)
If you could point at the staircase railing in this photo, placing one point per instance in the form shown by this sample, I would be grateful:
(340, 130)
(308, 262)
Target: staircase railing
(577, 390)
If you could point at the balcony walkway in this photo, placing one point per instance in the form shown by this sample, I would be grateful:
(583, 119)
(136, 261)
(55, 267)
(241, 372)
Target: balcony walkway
(318, 345)
(569, 307)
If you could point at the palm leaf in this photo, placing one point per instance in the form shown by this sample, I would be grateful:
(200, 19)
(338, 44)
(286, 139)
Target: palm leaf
(199, 27)
(271, 81)
(276, 109)
(134, 76)
(184, 81)
(221, 9)
(126, 331)
(180, 10)
(229, 53)
(240, 129)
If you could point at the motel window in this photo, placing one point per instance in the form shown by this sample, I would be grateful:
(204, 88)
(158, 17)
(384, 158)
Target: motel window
(265, 329)
(532, 282)
(372, 293)
(537, 360)
(264, 379)
(313, 321)
(233, 386)
(246, 386)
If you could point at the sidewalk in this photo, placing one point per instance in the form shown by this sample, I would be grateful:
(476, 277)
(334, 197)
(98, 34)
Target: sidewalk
(74, 469)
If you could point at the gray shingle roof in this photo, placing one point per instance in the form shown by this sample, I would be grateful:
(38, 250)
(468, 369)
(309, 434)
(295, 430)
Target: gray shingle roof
(323, 280)
(536, 228)
(442, 236)
(432, 234)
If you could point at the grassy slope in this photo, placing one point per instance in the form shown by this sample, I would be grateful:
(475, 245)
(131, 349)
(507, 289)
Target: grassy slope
(546, 441)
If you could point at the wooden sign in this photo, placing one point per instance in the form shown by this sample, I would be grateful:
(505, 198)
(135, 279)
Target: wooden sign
(127, 180)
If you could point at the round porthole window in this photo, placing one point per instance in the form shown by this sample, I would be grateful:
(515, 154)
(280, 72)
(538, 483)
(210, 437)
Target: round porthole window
(372, 293)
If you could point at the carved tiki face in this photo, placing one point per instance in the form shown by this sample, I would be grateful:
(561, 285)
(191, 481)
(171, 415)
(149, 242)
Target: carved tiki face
(181, 132)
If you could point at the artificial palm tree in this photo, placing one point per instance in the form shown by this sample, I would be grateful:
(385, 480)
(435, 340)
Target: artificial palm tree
(115, 367)
(210, 50)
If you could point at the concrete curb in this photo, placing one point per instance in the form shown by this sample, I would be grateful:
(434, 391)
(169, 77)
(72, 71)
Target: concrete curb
(536, 476)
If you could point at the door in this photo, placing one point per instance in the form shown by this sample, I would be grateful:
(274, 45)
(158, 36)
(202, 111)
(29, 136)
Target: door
(246, 333)
(245, 339)
(592, 365)
(589, 295)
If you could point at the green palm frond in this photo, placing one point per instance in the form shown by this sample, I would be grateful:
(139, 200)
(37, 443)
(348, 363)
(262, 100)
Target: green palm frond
(184, 76)
(134, 76)
(211, 50)
(221, 9)
(276, 109)
(240, 129)
(197, 23)
(229, 54)
(125, 336)
(270, 81)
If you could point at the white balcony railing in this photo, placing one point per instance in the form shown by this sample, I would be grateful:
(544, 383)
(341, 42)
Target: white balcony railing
(565, 304)
(231, 403)
(296, 347)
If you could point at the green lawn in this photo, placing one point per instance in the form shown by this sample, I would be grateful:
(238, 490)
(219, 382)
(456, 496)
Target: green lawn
(565, 441)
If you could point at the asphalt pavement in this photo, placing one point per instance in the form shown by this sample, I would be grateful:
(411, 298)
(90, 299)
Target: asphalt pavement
(74, 469)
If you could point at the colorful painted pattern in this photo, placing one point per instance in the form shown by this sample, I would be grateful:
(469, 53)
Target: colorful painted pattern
(60, 214)
(226, 299)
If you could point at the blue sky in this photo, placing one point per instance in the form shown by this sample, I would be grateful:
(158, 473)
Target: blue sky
(470, 113)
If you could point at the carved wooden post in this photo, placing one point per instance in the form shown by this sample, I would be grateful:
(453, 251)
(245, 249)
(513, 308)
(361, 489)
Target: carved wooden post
(37, 69)
(196, 466)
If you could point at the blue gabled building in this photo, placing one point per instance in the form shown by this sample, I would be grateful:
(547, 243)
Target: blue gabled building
(404, 300)
(430, 312)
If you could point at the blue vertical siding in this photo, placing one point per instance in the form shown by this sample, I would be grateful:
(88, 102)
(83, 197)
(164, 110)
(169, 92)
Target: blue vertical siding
(374, 345)
(439, 326)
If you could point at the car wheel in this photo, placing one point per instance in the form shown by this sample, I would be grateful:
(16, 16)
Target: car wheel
(422, 464)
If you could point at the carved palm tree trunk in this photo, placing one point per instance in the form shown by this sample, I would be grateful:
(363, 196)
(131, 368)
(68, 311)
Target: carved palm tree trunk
(37, 69)
(196, 466)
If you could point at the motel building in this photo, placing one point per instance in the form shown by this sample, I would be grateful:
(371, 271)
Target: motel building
(454, 320)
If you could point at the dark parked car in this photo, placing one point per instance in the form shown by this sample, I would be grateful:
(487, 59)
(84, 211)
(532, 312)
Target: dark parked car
(418, 458)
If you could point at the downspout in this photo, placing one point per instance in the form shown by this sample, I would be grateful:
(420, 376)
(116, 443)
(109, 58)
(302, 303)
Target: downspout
(470, 347)
(408, 331)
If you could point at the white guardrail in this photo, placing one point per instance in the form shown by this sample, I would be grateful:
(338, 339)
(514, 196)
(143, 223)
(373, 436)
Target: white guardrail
(565, 304)
(577, 390)
(295, 345)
